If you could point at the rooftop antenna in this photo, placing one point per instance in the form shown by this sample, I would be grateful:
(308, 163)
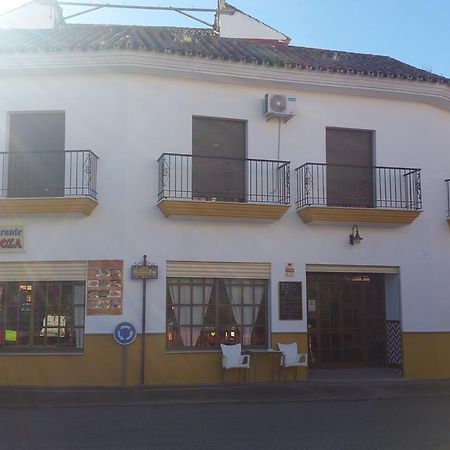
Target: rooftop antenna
(180, 10)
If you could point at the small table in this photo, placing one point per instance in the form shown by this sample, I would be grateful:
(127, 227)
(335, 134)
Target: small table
(263, 351)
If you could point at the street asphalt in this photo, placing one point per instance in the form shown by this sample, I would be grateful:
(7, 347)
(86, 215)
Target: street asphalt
(309, 391)
(418, 418)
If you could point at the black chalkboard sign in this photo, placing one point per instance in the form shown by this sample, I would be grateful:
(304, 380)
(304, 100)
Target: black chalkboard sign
(290, 300)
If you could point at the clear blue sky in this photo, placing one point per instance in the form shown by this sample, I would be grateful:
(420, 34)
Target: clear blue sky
(414, 31)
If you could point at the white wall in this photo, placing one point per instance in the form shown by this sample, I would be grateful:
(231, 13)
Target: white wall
(29, 16)
(392, 299)
(130, 120)
(240, 25)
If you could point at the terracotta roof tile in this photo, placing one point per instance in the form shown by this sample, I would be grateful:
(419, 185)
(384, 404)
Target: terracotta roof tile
(203, 43)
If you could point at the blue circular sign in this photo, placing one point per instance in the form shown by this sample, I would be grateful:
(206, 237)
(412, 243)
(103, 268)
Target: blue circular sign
(125, 333)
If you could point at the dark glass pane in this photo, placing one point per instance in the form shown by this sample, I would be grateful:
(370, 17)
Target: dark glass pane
(41, 314)
(259, 336)
(335, 340)
(226, 315)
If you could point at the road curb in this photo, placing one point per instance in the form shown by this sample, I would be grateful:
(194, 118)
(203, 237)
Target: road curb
(311, 391)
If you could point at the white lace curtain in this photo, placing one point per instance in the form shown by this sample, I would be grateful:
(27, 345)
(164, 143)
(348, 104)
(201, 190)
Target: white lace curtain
(241, 298)
(185, 306)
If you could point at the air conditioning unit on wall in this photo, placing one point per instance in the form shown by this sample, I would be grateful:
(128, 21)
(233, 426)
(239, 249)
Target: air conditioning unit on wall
(278, 105)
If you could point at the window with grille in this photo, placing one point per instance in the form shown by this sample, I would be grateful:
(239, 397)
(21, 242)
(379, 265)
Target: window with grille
(42, 316)
(205, 312)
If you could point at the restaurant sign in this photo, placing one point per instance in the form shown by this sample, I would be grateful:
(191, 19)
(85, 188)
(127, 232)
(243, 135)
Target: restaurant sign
(12, 238)
(144, 272)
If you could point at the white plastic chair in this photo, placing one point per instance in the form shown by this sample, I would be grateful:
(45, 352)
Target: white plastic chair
(291, 358)
(233, 359)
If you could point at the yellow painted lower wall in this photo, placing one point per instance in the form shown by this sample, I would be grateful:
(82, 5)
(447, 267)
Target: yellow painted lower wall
(426, 355)
(101, 365)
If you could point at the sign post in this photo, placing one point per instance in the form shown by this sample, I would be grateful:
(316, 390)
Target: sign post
(124, 334)
(144, 271)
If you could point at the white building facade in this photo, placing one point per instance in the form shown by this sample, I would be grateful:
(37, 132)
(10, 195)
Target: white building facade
(248, 248)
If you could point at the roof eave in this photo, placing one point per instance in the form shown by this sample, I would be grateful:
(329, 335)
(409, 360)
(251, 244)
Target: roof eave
(231, 72)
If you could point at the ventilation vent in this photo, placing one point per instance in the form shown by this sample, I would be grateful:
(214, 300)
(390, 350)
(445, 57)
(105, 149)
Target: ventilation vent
(278, 103)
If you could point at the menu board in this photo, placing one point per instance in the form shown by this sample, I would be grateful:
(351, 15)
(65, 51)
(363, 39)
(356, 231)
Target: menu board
(105, 287)
(290, 300)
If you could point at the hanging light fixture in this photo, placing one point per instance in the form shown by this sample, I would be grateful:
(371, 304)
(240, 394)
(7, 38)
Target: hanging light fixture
(355, 238)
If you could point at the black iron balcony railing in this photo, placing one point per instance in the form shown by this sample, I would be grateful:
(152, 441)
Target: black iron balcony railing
(358, 186)
(48, 174)
(223, 179)
(447, 182)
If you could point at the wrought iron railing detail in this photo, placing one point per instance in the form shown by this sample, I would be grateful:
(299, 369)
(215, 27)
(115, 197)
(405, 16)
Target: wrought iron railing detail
(320, 184)
(72, 173)
(223, 179)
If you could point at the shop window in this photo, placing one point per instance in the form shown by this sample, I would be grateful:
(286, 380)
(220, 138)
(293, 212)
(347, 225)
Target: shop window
(41, 316)
(205, 312)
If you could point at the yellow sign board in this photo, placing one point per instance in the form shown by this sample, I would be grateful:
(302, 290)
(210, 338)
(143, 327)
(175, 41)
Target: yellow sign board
(144, 272)
(10, 335)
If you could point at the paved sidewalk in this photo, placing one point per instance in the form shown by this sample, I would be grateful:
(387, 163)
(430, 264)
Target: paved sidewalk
(310, 391)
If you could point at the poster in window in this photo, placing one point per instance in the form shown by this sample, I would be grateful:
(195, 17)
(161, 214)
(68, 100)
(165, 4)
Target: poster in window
(104, 287)
(290, 300)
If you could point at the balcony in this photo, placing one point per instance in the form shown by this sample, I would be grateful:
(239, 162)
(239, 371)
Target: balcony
(338, 193)
(48, 182)
(203, 186)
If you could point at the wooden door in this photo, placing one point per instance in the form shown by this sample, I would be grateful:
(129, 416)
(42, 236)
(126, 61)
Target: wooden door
(218, 159)
(349, 168)
(346, 321)
(36, 155)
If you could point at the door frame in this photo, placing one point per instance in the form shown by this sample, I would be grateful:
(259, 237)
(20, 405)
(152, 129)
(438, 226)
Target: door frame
(341, 329)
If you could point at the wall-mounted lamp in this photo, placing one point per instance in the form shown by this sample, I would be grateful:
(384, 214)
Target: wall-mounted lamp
(355, 238)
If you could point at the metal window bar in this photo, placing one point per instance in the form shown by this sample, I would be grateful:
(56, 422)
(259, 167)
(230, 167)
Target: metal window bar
(447, 182)
(321, 184)
(263, 181)
(26, 174)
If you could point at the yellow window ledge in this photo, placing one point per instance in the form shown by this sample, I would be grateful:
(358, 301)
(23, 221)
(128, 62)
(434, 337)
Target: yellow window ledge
(312, 214)
(235, 210)
(13, 206)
